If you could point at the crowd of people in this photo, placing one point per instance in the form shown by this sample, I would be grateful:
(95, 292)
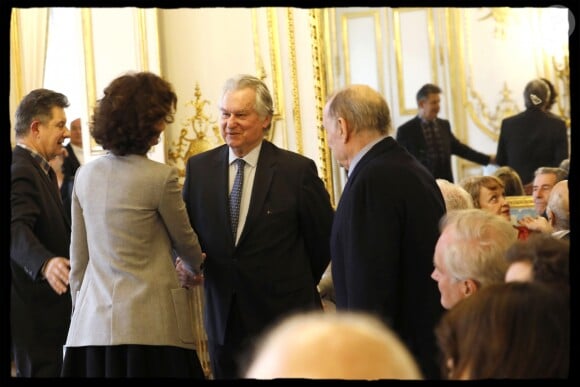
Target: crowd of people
(425, 279)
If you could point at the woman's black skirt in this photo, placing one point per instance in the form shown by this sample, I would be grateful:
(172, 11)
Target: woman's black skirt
(141, 361)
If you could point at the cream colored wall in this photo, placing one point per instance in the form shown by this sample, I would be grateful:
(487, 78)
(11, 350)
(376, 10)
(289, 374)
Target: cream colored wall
(405, 47)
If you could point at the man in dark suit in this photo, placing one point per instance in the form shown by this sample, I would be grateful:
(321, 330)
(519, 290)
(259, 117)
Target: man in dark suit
(386, 224)
(74, 150)
(267, 264)
(40, 305)
(533, 138)
(430, 139)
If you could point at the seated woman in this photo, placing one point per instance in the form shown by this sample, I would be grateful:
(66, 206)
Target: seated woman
(513, 330)
(512, 182)
(487, 193)
(541, 258)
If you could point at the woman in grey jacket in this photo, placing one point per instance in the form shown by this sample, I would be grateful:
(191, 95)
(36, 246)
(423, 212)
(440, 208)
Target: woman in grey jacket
(131, 316)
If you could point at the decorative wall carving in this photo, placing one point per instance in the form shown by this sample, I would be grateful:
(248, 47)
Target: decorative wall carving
(199, 133)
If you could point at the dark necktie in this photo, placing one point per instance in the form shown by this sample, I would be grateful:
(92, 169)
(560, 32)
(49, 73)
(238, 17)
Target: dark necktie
(54, 181)
(236, 195)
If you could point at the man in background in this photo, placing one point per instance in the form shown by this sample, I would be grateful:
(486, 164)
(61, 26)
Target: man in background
(430, 139)
(74, 157)
(544, 180)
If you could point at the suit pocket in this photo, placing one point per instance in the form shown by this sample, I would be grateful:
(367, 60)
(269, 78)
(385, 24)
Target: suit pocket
(183, 314)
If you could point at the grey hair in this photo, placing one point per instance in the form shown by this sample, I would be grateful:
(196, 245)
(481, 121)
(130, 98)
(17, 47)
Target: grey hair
(455, 196)
(264, 104)
(559, 172)
(559, 205)
(362, 107)
(480, 241)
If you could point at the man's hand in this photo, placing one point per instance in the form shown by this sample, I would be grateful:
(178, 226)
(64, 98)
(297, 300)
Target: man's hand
(57, 271)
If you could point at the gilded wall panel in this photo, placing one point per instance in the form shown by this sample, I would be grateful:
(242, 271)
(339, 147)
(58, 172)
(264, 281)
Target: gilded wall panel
(415, 53)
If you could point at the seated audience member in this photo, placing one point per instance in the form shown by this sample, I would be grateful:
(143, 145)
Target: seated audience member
(470, 253)
(544, 180)
(342, 345)
(514, 330)
(557, 211)
(512, 183)
(487, 193)
(565, 165)
(456, 198)
(541, 258)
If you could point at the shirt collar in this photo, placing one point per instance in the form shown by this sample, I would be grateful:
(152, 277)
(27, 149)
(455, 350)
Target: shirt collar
(363, 152)
(251, 158)
(38, 157)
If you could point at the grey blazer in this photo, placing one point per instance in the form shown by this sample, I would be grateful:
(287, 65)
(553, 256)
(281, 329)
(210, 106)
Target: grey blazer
(128, 216)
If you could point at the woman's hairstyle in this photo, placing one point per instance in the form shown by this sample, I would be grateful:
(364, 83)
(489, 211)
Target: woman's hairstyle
(264, 104)
(126, 119)
(512, 182)
(536, 94)
(473, 184)
(553, 94)
(508, 330)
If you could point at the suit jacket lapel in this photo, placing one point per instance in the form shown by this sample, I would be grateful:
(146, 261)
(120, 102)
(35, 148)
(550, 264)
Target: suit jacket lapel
(52, 187)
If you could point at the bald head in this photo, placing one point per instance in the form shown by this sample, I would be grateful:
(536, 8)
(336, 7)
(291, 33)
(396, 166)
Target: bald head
(332, 346)
(558, 208)
(76, 134)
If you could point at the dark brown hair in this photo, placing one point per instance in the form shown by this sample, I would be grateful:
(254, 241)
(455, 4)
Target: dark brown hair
(549, 256)
(125, 120)
(514, 330)
(512, 182)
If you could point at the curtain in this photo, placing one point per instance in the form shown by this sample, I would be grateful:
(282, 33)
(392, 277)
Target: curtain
(28, 38)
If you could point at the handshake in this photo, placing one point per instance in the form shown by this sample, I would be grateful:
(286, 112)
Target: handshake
(187, 277)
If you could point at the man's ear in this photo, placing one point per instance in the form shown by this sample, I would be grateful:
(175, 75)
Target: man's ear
(343, 130)
(469, 287)
(551, 217)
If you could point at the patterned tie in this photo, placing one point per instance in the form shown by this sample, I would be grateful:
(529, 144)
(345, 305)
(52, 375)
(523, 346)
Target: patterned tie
(236, 195)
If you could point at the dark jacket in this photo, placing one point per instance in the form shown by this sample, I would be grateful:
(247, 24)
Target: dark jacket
(382, 243)
(282, 250)
(39, 230)
(410, 136)
(532, 139)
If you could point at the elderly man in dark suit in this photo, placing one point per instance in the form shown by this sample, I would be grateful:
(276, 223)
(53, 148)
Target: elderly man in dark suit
(40, 305)
(431, 140)
(266, 260)
(386, 224)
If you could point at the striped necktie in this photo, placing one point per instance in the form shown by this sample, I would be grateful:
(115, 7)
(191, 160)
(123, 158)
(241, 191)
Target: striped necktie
(236, 195)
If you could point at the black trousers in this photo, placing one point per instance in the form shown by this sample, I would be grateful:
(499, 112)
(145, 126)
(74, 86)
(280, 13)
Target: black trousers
(37, 360)
(228, 361)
